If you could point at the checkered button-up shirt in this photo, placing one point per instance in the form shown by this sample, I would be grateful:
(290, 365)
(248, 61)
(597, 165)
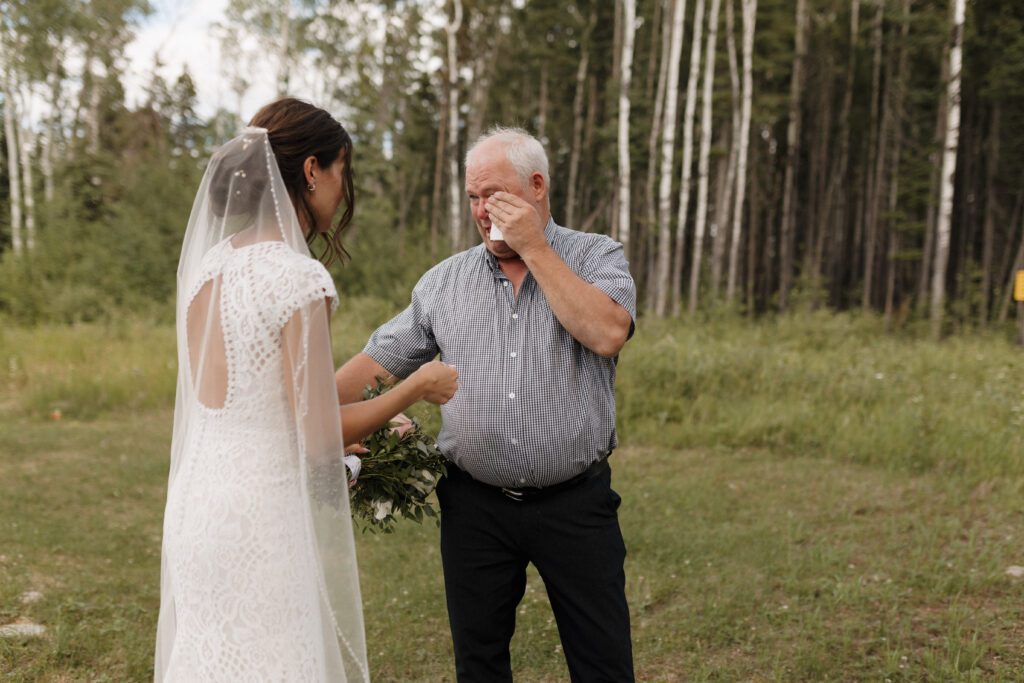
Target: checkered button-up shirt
(534, 406)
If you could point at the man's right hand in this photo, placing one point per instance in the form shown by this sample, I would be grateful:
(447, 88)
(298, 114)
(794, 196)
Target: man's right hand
(436, 382)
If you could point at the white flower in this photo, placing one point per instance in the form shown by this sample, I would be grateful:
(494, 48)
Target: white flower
(424, 482)
(418, 485)
(381, 509)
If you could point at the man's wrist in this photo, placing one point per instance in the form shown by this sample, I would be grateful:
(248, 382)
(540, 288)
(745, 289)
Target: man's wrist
(535, 252)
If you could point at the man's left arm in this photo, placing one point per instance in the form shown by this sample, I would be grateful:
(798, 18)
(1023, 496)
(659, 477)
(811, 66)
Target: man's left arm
(588, 313)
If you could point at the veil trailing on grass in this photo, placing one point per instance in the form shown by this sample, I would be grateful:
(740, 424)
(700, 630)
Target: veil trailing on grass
(256, 380)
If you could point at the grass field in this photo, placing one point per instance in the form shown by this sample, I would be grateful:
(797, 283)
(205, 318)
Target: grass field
(803, 500)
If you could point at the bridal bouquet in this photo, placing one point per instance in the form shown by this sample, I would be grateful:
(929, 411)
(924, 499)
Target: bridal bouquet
(397, 475)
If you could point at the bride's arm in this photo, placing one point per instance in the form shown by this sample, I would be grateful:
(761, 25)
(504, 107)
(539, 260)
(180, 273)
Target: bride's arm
(434, 382)
(359, 371)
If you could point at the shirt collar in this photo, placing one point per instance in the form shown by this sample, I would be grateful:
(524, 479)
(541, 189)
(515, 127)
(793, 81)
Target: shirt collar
(549, 235)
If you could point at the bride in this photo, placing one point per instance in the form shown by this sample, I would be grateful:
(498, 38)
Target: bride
(258, 573)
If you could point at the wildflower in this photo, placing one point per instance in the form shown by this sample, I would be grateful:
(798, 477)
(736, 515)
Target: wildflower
(381, 509)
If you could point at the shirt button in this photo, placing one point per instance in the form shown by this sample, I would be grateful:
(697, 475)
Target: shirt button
(511, 395)
(515, 316)
(522, 480)
(514, 442)
(504, 284)
(513, 354)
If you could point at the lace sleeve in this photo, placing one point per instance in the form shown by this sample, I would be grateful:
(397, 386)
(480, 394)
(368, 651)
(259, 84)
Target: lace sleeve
(303, 282)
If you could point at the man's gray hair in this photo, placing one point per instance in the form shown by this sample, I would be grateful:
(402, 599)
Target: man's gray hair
(522, 150)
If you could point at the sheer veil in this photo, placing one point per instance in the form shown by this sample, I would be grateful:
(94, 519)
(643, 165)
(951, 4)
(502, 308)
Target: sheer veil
(241, 201)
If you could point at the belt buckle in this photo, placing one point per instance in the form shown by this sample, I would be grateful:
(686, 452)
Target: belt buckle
(513, 494)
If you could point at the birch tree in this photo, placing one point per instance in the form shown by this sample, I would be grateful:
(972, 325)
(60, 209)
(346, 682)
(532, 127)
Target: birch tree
(13, 157)
(724, 204)
(454, 188)
(700, 220)
(668, 141)
(657, 119)
(626, 71)
(26, 143)
(284, 47)
(692, 81)
(952, 140)
(749, 20)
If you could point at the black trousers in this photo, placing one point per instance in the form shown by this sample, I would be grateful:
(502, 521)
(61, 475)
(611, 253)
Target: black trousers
(572, 537)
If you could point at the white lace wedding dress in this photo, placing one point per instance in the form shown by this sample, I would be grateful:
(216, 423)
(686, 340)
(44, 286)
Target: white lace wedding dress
(239, 541)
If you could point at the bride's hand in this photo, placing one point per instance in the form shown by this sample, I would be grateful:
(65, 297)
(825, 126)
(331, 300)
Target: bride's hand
(436, 382)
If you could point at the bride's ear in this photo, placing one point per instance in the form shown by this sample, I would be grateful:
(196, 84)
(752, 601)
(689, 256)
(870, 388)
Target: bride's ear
(310, 168)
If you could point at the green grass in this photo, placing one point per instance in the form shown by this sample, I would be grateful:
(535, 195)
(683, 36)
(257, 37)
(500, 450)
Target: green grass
(828, 385)
(782, 524)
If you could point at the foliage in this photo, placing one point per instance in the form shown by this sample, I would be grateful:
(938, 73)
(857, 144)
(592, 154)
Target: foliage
(108, 238)
(835, 386)
(398, 475)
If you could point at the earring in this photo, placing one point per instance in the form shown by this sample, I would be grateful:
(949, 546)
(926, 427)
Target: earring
(311, 187)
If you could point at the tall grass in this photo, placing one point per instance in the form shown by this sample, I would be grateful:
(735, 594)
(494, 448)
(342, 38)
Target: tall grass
(829, 385)
(823, 384)
(87, 370)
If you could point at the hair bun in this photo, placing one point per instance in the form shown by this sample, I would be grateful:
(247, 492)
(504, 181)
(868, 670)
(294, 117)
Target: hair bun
(239, 177)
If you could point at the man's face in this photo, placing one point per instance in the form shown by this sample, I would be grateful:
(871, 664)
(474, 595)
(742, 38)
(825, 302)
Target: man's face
(492, 172)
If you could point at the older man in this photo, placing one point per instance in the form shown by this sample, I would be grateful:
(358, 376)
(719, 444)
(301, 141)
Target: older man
(533, 319)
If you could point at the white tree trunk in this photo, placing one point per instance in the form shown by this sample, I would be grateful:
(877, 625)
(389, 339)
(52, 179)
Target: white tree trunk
(700, 220)
(46, 166)
(723, 207)
(626, 72)
(651, 223)
(687, 166)
(454, 180)
(749, 20)
(13, 160)
(26, 143)
(284, 47)
(52, 129)
(952, 140)
(92, 115)
(668, 140)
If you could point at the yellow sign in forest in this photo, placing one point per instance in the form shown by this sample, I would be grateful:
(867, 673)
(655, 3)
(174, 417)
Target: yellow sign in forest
(1018, 286)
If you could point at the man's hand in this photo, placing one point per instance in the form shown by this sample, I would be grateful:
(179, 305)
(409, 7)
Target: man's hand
(519, 222)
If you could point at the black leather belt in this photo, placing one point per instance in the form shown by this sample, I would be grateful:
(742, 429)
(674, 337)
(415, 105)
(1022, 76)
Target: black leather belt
(535, 493)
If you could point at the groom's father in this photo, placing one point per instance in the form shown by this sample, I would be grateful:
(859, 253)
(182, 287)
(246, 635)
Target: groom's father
(533, 319)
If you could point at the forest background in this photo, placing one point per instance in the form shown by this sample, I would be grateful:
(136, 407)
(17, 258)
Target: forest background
(822, 411)
(829, 153)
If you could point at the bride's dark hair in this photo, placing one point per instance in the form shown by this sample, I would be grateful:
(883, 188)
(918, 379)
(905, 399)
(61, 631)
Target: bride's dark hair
(298, 130)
